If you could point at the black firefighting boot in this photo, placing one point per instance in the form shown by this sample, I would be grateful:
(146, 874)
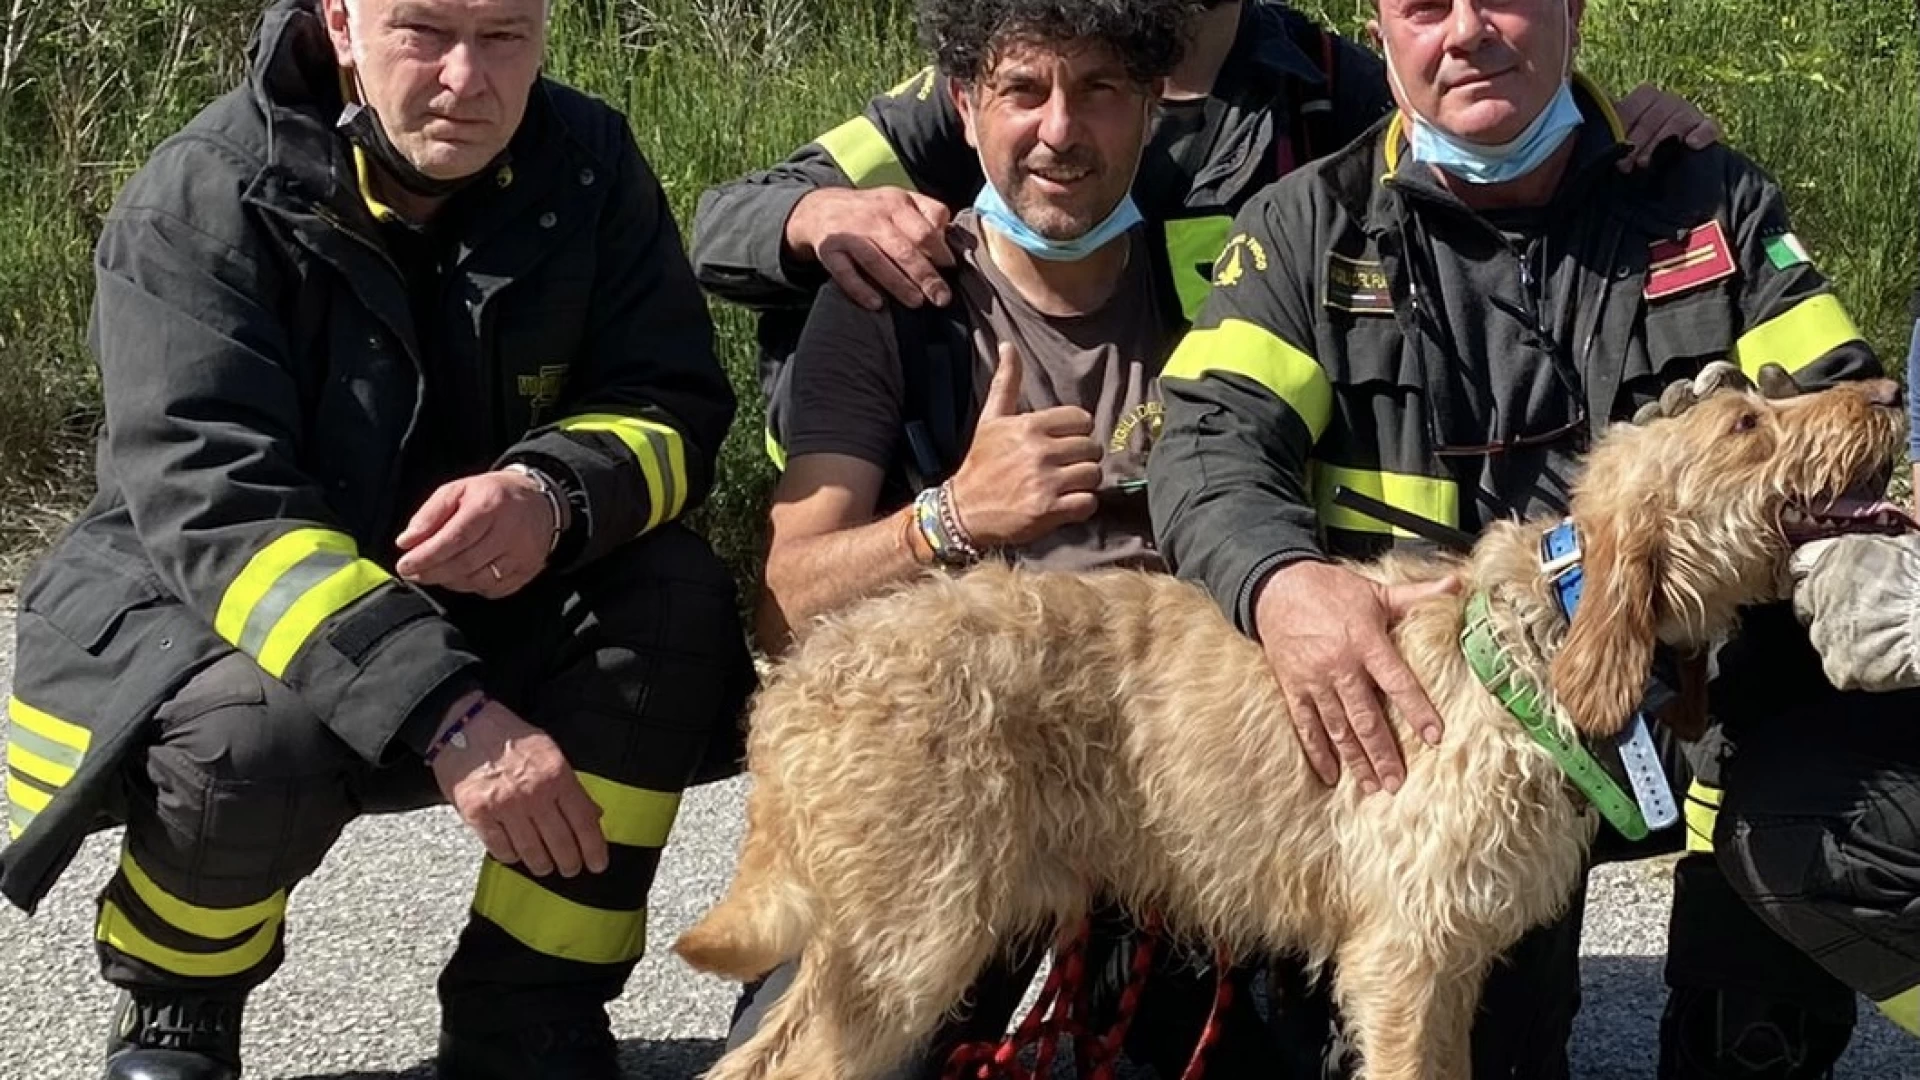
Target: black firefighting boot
(1740, 1035)
(162, 1036)
(573, 1049)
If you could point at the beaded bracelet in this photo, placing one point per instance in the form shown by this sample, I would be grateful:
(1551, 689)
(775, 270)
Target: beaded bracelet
(939, 526)
(455, 735)
(957, 534)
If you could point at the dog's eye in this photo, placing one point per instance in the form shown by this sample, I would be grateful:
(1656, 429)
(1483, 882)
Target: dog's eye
(1746, 421)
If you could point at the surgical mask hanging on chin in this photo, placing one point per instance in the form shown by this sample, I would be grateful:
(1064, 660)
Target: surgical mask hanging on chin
(994, 211)
(363, 129)
(1477, 163)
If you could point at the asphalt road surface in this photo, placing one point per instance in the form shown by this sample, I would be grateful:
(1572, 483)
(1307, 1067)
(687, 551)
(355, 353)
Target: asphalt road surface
(366, 936)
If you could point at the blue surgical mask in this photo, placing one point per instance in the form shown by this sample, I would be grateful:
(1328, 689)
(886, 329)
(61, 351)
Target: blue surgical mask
(994, 211)
(1477, 163)
(1480, 164)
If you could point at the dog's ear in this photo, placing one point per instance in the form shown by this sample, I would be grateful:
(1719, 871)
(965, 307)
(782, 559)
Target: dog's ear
(1603, 665)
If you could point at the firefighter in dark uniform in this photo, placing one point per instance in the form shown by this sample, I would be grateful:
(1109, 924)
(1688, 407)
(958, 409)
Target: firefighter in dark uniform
(407, 384)
(1260, 90)
(1440, 317)
(1818, 826)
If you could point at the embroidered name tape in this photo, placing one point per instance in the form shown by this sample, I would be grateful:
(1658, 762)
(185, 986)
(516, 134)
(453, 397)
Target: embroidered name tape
(1357, 285)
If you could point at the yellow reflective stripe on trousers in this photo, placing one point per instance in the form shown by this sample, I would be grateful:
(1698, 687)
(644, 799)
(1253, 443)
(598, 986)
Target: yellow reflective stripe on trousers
(554, 925)
(288, 589)
(1806, 332)
(1241, 348)
(1904, 1010)
(115, 929)
(660, 451)
(215, 924)
(1429, 497)
(636, 817)
(1703, 812)
(1193, 246)
(865, 155)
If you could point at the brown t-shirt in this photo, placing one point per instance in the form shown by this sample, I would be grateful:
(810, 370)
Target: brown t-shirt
(845, 389)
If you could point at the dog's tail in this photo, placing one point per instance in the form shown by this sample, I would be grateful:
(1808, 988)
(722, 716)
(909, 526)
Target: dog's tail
(763, 921)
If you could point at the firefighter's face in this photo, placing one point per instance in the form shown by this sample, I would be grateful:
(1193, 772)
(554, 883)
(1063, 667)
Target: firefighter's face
(1059, 130)
(1481, 70)
(449, 79)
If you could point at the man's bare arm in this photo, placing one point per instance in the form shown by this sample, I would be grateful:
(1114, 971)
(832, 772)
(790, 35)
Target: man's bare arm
(827, 550)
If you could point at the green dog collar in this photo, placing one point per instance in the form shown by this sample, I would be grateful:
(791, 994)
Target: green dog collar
(1527, 704)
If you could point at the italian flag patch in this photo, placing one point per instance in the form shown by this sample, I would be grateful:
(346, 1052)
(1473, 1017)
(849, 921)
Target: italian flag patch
(1786, 252)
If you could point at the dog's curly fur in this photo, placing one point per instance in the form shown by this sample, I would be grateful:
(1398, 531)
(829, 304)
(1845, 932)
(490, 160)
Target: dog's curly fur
(965, 761)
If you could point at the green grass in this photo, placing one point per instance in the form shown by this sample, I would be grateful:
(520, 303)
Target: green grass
(1822, 92)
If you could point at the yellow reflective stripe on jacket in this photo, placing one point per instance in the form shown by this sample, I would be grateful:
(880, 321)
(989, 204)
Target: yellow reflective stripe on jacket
(1193, 246)
(636, 817)
(660, 451)
(1903, 1009)
(775, 452)
(115, 929)
(27, 763)
(26, 796)
(288, 589)
(214, 924)
(1427, 496)
(865, 155)
(554, 925)
(1804, 333)
(43, 746)
(1242, 348)
(1703, 813)
(47, 726)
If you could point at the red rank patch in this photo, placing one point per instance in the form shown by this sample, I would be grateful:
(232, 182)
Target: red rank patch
(1676, 266)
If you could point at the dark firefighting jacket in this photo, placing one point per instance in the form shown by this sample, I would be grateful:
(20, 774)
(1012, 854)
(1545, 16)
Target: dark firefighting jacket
(1367, 330)
(1287, 92)
(263, 380)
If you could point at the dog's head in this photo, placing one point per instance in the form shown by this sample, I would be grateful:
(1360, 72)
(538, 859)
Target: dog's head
(1684, 520)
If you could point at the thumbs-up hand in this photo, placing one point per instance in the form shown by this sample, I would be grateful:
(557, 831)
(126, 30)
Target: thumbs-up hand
(1026, 474)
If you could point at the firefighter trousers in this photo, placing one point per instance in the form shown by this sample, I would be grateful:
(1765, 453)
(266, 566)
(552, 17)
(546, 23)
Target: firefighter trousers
(633, 665)
(1802, 882)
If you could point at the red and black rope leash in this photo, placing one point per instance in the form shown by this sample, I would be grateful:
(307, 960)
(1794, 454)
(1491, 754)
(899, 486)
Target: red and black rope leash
(1057, 1015)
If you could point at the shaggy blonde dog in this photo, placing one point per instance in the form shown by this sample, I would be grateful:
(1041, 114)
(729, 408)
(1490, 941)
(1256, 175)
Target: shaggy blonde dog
(966, 761)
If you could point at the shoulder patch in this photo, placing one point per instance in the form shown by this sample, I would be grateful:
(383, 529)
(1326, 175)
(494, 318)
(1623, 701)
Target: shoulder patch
(919, 84)
(1231, 267)
(1702, 257)
(1358, 286)
(1786, 252)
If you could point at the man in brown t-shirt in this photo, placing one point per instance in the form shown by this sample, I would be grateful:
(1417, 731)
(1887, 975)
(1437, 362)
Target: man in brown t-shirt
(1056, 284)
(1065, 331)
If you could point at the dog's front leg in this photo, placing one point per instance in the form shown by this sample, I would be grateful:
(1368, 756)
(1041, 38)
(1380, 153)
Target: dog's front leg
(1409, 1011)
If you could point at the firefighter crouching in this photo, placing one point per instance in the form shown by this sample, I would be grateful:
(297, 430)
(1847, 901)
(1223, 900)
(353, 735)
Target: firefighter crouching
(407, 382)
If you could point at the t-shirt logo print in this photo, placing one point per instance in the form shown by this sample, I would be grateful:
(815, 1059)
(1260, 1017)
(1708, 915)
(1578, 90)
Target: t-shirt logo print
(1147, 414)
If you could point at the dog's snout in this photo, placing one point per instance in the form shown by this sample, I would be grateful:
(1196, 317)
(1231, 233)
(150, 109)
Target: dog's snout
(1882, 392)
